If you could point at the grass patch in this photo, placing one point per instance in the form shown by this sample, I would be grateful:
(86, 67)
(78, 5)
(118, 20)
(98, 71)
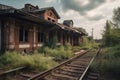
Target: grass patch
(59, 53)
(44, 59)
(108, 62)
(35, 61)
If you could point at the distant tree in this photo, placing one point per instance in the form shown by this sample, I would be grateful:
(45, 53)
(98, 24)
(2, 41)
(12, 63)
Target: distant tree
(111, 35)
(106, 34)
(116, 17)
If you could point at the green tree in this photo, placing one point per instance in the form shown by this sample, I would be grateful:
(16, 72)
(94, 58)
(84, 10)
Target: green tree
(106, 34)
(111, 35)
(116, 17)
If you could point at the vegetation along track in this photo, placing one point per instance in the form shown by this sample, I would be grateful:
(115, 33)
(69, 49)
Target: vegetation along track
(19, 73)
(72, 69)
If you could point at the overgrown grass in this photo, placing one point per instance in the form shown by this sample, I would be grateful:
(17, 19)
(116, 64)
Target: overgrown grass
(35, 61)
(76, 49)
(59, 53)
(88, 43)
(109, 62)
(85, 47)
(45, 59)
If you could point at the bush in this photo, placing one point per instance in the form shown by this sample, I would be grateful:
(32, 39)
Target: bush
(12, 59)
(117, 54)
(35, 61)
(59, 54)
(109, 61)
(68, 46)
(88, 43)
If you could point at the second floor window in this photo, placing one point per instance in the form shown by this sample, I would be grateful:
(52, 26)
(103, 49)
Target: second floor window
(23, 34)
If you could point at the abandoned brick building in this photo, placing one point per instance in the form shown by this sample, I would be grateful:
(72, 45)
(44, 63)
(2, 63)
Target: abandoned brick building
(28, 28)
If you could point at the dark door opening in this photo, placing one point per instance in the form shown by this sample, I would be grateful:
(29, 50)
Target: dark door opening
(0, 37)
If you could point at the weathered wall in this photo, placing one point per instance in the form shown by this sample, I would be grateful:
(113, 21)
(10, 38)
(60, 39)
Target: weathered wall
(12, 28)
(51, 15)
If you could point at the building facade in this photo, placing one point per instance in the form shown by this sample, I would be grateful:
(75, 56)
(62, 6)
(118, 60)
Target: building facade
(29, 28)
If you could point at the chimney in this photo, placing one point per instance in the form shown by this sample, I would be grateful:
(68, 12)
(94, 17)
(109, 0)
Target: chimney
(29, 7)
(68, 23)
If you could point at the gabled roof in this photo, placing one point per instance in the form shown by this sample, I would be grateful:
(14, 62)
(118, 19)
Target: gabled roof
(16, 13)
(48, 8)
(2, 6)
(24, 15)
(64, 27)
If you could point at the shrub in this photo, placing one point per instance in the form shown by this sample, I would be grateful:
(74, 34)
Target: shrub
(117, 54)
(88, 43)
(41, 63)
(59, 54)
(68, 46)
(35, 61)
(109, 61)
(12, 59)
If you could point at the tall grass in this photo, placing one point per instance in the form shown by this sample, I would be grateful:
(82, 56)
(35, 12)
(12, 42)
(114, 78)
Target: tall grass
(109, 61)
(35, 61)
(88, 43)
(45, 59)
(59, 54)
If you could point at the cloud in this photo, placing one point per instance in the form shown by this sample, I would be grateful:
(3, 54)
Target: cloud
(96, 18)
(90, 9)
(92, 18)
(49, 1)
(81, 6)
(84, 7)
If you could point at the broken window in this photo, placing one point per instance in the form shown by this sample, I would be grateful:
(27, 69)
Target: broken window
(67, 38)
(53, 20)
(23, 34)
(49, 19)
(40, 37)
(58, 36)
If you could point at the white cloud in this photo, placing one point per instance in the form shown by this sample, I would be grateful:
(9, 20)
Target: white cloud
(49, 1)
(103, 12)
(82, 2)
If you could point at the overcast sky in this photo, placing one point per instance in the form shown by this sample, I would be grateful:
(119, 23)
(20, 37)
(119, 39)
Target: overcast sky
(85, 13)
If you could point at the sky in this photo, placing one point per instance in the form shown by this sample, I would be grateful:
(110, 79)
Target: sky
(87, 14)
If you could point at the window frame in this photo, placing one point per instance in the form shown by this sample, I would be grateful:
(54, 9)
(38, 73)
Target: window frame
(23, 34)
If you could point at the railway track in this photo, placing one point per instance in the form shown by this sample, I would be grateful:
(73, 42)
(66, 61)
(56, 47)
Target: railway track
(72, 69)
(19, 73)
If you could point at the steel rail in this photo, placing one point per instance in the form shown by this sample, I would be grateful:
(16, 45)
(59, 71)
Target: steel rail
(82, 76)
(12, 70)
(43, 74)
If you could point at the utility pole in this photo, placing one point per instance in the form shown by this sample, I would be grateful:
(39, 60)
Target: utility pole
(92, 37)
(92, 33)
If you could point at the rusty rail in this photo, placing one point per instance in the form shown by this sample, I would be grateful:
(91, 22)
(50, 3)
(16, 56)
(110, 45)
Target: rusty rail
(45, 73)
(84, 73)
(11, 71)
(3, 75)
(42, 74)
